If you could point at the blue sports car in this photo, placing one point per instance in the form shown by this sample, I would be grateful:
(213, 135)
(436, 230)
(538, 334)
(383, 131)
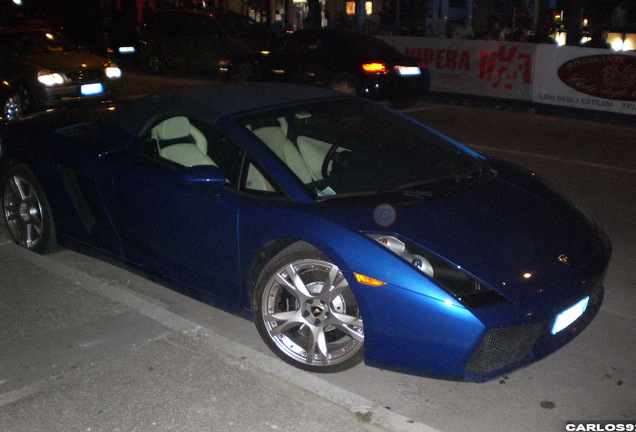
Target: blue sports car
(344, 229)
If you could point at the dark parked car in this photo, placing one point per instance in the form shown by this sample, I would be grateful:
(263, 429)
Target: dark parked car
(197, 40)
(111, 37)
(346, 230)
(49, 71)
(335, 58)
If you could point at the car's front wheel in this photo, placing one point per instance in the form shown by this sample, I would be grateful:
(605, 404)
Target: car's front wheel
(27, 103)
(306, 312)
(12, 108)
(27, 211)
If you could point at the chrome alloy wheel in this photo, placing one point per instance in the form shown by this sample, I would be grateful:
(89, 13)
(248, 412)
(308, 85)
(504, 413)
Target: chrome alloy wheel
(311, 315)
(23, 210)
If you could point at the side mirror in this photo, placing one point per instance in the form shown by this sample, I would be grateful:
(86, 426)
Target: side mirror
(201, 175)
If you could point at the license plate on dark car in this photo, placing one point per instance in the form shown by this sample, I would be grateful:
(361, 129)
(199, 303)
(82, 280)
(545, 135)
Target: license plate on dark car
(92, 89)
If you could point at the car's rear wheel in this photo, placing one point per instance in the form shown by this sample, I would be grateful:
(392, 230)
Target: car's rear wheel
(245, 72)
(306, 312)
(27, 211)
(345, 83)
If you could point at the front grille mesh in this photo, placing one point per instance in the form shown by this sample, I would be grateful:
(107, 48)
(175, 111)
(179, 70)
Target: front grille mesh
(85, 75)
(501, 347)
(504, 346)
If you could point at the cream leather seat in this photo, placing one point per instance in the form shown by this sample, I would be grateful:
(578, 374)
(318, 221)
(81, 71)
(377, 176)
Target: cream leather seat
(275, 139)
(179, 141)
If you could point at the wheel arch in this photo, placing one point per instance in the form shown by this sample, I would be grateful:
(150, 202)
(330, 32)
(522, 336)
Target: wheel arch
(268, 251)
(6, 165)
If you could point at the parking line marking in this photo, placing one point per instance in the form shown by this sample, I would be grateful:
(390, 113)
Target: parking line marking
(553, 158)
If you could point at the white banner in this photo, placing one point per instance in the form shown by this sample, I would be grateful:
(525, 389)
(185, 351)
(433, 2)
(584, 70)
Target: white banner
(484, 68)
(588, 78)
(596, 79)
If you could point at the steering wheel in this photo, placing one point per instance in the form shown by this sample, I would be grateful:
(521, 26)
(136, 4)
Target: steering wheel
(328, 159)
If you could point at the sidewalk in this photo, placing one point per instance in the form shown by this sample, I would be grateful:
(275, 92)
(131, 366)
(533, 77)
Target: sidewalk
(78, 353)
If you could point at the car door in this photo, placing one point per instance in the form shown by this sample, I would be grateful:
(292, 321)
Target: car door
(180, 230)
(206, 42)
(177, 41)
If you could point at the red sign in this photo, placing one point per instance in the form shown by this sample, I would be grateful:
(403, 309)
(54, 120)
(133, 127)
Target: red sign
(611, 76)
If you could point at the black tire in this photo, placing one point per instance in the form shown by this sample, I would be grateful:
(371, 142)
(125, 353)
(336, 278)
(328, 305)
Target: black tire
(245, 72)
(306, 325)
(26, 210)
(155, 63)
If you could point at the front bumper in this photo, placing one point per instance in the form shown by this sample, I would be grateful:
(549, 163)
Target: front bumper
(505, 349)
(422, 336)
(392, 87)
(52, 97)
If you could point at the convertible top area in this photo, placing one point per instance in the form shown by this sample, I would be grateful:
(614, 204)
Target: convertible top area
(213, 101)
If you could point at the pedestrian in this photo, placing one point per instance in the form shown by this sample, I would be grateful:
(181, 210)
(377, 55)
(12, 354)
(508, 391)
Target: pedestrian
(495, 32)
(463, 30)
(146, 13)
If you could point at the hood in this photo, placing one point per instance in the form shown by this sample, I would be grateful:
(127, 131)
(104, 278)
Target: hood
(499, 231)
(64, 61)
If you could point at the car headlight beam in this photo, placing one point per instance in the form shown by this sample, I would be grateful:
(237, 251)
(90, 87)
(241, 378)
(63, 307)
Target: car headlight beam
(452, 278)
(50, 79)
(113, 72)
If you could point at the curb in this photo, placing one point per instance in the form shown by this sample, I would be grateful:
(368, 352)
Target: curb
(380, 416)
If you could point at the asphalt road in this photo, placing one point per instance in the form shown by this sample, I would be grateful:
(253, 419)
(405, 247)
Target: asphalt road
(88, 346)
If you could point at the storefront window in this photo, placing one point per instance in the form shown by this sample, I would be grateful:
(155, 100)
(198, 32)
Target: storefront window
(351, 7)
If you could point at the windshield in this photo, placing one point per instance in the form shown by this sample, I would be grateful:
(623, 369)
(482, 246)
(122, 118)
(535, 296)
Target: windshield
(349, 147)
(32, 43)
(240, 26)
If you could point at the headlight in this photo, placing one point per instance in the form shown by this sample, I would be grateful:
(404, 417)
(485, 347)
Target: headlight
(50, 79)
(225, 65)
(113, 72)
(452, 278)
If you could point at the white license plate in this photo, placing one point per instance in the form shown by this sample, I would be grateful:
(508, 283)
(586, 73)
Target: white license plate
(409, 70)
(91, 89)
(127, 50)
(569, 315)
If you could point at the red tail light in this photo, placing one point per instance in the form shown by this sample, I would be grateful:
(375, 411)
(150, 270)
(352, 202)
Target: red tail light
(375, 68)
